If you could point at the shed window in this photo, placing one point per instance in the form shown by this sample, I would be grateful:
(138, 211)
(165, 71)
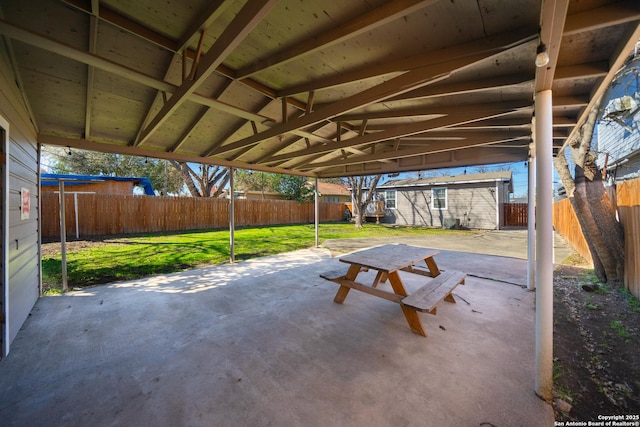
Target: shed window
(438, 198)
(390, 199)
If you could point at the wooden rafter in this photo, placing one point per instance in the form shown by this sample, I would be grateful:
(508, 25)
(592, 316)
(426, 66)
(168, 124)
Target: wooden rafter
(250, 16)
(366, 22)
(398, 131)
(411, 152)
(177, 46)
(467, 87)
(487, 47)
(552, 23)
(602, 17)
(214, 9)
(93, 41)
(400, 84)
(29, 37)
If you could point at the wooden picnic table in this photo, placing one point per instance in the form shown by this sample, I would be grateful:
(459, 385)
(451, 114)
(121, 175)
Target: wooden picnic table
(399, 264)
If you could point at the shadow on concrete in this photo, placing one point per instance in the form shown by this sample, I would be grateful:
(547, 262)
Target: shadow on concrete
(262, 343)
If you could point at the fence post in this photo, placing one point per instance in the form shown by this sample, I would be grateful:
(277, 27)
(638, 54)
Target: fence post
(63, 236)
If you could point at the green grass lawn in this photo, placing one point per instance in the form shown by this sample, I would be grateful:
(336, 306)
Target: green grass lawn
(138, 256)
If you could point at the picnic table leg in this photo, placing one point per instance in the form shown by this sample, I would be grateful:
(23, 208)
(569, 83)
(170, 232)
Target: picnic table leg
(343, 291)
(433, 267)
(410, 314)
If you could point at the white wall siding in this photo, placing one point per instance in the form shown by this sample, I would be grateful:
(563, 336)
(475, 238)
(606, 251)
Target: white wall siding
(23, 235)
(619, 140)
(473, 204)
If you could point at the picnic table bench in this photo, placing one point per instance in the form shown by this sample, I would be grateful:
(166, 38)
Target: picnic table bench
(401, 266)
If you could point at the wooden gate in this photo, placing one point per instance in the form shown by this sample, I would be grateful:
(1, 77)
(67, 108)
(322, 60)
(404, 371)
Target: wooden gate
(516, 214)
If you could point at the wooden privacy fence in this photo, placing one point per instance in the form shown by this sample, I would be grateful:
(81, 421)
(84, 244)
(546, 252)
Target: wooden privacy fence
(516, 214)
(106, 214)
(627, 198)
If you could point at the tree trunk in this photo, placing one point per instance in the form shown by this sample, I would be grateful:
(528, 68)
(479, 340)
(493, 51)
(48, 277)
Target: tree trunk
(602, 231)
(357, 216)
(595, 212)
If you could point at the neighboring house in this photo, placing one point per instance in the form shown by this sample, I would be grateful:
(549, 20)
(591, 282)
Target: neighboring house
(617, 135)
(95, 184)
(472, 201)
(328, 193)
(258, 195)
(333, 192)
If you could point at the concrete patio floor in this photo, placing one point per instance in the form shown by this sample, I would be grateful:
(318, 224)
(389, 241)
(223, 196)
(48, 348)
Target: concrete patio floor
(261, 343)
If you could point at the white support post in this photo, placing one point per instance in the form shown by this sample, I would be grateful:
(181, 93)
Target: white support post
(544, 244)
(531, 223)
(317, 213)
(232, 219)
(497, 206)
(63, 236)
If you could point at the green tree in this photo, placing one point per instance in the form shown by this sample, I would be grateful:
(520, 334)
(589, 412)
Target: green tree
(295, 188)
(248, 180)
(591, 204)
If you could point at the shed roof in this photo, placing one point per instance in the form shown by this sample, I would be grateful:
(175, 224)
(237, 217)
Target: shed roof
(51, 179)
(502, 176)
(308, 87)
(331, 189)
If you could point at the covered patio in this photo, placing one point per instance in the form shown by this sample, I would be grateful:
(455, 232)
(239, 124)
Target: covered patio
(262, 343)
(318, 89)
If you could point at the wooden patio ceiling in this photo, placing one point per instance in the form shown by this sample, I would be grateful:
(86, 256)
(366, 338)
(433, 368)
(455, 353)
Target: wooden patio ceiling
(318, 88)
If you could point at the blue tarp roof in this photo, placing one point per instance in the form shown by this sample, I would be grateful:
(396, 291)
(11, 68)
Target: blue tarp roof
(50, 179)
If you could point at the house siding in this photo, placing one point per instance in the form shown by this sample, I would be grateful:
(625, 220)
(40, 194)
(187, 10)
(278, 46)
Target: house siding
(473, 204)
(21, 264)
(618, 141)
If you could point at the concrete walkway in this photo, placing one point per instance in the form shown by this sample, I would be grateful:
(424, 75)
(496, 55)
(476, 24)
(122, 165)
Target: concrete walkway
(261, 343)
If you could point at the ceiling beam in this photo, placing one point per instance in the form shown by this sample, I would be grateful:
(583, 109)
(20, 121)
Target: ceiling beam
(435, 147)
(425, 141)
(203, 20)
(554, 13)
(462, 115)
(245, 21)
(487, 46)
(123, 22)
(400, 84)
(425, 111)
(591, 70)
(616, 61)
(466, 157)
(467, 86)
(602, 17)
(84, 144)
(93, 41)
(343, 31)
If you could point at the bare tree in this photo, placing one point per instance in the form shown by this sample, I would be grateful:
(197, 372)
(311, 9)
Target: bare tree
(596, 214)
(206, 181)
(362, 191)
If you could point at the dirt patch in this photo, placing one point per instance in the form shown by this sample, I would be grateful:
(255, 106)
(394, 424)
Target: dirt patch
(50, 249)
(596, 347)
